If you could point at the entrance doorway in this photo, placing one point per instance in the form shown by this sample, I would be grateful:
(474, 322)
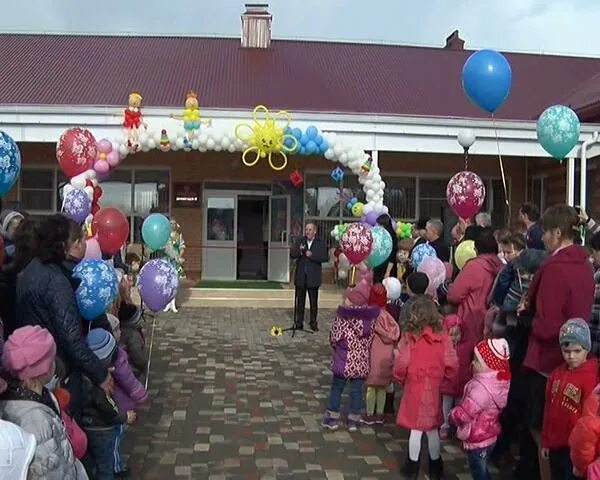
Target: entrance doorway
(245, 235)
(252, 237)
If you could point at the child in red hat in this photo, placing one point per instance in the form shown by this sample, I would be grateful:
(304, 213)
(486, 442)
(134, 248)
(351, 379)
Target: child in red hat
(485, 396)
(387, 333)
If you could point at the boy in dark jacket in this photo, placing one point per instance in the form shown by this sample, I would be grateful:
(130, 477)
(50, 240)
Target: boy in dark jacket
(100, 412)
(132, 337)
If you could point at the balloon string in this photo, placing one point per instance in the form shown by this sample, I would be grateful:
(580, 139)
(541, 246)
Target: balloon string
(500, 161)
(466, 159)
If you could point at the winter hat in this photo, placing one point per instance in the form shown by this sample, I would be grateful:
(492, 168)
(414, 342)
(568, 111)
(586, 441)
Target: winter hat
(6, 217)
(113, 321)
(130, 314)
(102, 343)
(494, 354)
(378, 295)
(359, 294)
(418, 283)
(393, 287)
(17, 448)
(576, 330)
(29, 352)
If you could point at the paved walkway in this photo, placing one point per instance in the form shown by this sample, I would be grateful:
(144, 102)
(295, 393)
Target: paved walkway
(228, 401)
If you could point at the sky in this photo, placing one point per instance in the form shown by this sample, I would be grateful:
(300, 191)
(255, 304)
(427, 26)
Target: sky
(547, 26)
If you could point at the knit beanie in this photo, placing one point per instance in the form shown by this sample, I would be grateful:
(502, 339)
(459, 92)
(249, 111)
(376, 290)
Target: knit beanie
(359, 294)
(494, 355)
(576, 330)
(378, 295)
(29, 352)
(6, 217)
(102, 343)
(418, 283)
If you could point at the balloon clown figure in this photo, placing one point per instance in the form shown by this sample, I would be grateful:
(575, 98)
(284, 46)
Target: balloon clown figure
(191, 116)
(133, 120)
(174, 251)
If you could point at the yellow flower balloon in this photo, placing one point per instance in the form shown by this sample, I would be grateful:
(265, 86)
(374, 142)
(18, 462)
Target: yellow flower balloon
(358, 209)
(266, 137)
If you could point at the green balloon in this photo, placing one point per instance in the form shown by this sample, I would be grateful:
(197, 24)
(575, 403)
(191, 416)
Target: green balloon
(558, 130)
(156, 231)
(381, 248)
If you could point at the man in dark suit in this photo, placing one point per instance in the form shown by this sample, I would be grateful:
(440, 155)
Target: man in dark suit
(434, 235)
(310, 252)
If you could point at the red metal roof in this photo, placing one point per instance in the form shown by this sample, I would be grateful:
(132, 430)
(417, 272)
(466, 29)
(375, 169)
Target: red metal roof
(296, 75)
(585, 99)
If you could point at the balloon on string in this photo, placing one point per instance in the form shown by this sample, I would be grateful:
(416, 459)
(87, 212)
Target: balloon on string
(356, 242)
(98, 287)
(381, 248)
(465, 193)
(487, 79)
(371, 218)
(10, 162)
(111, 228)
(393, 288)
(76, 151)
(435, 270)
(158, 283)
(558, 130)
(92, 249)
(420, 252)
(77, 205)
(156, 231)
(464, 252)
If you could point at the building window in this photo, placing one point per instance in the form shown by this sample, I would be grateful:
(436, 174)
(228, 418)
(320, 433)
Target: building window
(536, 193)
(137, 193)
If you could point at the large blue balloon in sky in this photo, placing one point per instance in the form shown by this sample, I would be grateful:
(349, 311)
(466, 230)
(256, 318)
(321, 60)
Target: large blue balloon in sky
(487, 79)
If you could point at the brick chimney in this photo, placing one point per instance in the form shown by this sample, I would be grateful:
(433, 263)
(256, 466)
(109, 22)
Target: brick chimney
(454, 42)
(256, 26)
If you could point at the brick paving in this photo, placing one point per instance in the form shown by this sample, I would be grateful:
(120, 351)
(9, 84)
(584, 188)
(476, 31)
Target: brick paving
(229, 401)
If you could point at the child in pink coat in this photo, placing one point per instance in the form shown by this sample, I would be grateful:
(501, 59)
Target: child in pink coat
(387, 333)
(424, 360)
(478, 414)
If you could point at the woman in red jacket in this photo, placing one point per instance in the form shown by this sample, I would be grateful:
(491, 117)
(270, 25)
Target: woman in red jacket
(562, 288)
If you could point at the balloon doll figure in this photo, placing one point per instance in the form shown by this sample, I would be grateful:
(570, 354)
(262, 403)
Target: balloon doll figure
(174, 251)
(191, 116)
(133, 120)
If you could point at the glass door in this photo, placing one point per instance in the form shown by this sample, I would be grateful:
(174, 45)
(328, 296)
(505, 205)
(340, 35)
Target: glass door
(219, 255)
(279, 247)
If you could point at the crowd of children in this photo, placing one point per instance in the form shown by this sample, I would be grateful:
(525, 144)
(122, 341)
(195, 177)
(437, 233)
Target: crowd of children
(68, 389)
(501, 353)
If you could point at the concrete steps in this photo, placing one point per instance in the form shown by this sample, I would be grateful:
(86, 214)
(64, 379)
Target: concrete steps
(235, 298)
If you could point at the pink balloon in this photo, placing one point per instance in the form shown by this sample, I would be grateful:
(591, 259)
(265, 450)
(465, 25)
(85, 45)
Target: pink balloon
(113, 158)
(101, 166)
(435, 270)
(356, 242)
(465, 194)
(104, 146)
(92, 249)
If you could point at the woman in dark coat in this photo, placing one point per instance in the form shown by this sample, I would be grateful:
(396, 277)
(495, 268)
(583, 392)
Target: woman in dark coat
(45, 296)
(388, 268)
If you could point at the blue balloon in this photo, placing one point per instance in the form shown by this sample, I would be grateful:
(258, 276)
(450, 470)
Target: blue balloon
(302, 150)
(486, 79)
(297, 133)
(319, 139)
(420, 252)
(156, 231)
(381, 248)
(77, 205)
(304, 139)
(98, 288)
(312, 132)
(311, 147)
(289, 143)
(324, 146)
(10, 162)
(558, 130)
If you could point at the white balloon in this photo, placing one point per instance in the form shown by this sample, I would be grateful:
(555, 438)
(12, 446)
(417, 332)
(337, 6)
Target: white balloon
(225, 142)
(78, 182)
(329, 154)
(181, 132)
(156, 136)
(172, 137)
(202, 138)
(90, 192)
(143, 138)
(382, 185)
(231, 148)
(151, 144)
(393, 287)
(179, 143)
(338, 150)
(218, 147)
(210, 143)
(367, 208)
(466, 138)
(202, 148)
(195, 144)
(123, 150)
(145, 147)
(343, 159)
(368, 184)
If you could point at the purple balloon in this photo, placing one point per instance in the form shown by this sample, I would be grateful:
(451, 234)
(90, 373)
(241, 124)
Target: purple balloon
(371, 218)
(363, 219)
(394, 224)
(158, 283)
(77, 205)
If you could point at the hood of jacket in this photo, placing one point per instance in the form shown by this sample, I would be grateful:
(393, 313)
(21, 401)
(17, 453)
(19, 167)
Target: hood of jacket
(498, 389)
(489, 262)
(386, 327)
(355, 316)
